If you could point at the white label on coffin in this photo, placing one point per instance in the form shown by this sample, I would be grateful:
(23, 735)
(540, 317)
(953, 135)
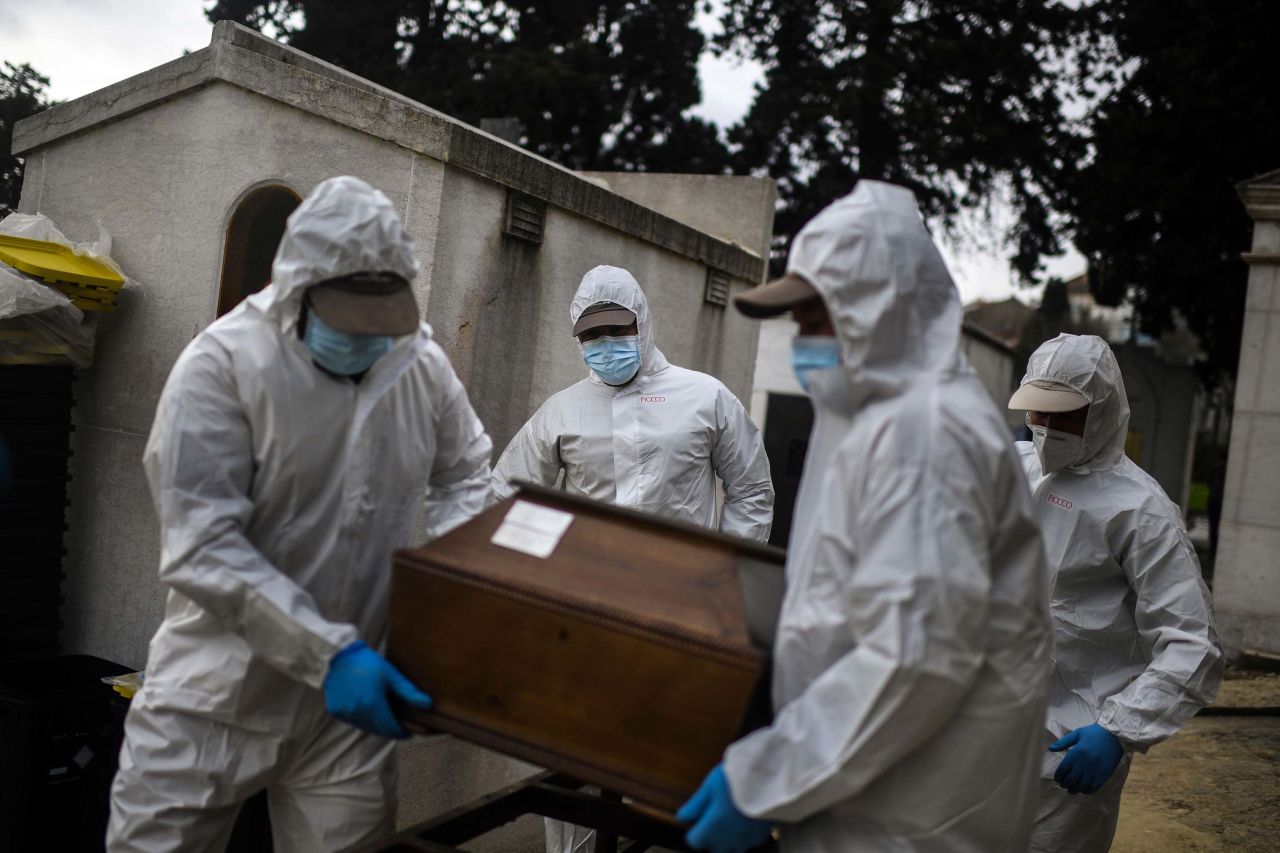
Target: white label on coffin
(532, 529)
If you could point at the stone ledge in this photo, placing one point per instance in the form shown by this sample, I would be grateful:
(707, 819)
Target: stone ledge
(1261, 196)
(248, 60)
(322, 95)
(502, 163)
(1239, 628)
(115, 101)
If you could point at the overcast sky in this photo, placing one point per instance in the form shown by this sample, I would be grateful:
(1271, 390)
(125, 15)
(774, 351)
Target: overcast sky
(84, 45)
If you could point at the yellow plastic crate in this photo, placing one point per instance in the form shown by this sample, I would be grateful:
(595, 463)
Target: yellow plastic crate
(88, 298)
(91, 285)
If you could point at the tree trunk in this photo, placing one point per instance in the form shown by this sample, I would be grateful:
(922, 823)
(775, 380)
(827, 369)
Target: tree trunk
(877, 145)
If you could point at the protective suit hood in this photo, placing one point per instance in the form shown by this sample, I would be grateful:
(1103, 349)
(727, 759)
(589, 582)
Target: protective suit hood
(891, 299)
(1086, 365)
(344, 226)
(614, 284)
(281, 493)
(914, 634)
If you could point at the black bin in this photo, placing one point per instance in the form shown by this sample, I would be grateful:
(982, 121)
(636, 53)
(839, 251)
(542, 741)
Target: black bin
(60, 731)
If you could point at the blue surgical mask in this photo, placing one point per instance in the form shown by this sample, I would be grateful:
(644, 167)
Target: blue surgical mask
(813, 352)
(614, 360)
(343, 353)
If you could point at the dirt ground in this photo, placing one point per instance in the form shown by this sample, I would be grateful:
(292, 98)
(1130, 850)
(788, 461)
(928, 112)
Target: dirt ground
(1215, 786)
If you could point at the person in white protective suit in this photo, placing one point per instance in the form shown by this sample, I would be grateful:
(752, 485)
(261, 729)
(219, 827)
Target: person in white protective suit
(639, 431)
(1135, 650)
(911, 659)
(293, 447)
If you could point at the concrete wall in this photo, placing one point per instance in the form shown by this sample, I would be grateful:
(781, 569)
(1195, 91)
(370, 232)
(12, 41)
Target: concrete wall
(739, 210)
(1247, 574)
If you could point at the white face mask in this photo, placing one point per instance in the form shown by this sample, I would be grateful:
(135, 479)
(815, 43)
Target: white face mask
(1056, 449)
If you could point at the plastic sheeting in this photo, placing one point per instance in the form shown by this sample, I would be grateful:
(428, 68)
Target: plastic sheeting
(38, 325)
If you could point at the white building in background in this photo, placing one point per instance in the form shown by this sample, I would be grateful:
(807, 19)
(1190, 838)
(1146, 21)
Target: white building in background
(1112, 322)
(193, 167)
(781, 409)
(996, 364)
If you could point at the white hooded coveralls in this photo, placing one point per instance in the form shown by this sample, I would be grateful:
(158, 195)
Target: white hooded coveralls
(656, 444)
(913, 646)
(1135, 649)
(281, 492)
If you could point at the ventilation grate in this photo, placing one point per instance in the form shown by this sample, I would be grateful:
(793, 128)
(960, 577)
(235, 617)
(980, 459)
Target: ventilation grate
(717, 287)
(526, 217)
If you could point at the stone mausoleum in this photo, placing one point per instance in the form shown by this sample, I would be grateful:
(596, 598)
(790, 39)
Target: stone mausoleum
(1246, 587)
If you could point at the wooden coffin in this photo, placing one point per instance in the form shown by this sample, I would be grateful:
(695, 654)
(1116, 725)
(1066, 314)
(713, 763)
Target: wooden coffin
(623, 649)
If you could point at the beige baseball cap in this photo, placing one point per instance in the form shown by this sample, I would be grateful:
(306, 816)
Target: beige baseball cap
(1040, 395)
(777, 297)
(603, 314)
(373, 303)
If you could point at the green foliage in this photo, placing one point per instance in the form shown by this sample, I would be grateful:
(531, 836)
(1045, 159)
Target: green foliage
(1193, 108)
(955, 99)
(597, 84)
(962, 101)
(22, 93)
(1198, 498)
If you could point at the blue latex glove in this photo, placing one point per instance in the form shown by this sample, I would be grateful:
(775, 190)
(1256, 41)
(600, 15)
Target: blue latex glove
(1095, 753)
(356, 688)
(718, 826)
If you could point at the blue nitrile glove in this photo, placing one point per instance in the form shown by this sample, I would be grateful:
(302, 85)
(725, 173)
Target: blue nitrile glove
(718, 826)
(1094, 754)
(356, 688)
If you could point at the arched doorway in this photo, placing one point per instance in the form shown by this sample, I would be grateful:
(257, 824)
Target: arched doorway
(253, 234)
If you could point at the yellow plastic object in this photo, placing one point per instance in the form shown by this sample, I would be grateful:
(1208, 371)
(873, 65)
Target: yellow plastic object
(126, 685)
(91, 285)
(28, 346)
(88, 298)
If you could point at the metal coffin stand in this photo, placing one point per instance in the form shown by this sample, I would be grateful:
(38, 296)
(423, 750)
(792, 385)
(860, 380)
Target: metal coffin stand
(620, 827)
